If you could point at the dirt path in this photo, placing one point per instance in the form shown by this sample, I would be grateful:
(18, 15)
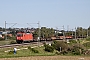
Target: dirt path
(49, 58)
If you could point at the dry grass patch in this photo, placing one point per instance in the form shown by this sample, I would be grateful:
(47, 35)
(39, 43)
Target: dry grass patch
(49, 58)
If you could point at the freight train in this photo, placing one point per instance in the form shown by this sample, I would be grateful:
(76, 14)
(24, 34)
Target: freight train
(23, 36)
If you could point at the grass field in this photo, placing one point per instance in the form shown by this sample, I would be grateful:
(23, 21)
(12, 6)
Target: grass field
(49, 58)
(42, 55)
(5, 42)
(24, 52)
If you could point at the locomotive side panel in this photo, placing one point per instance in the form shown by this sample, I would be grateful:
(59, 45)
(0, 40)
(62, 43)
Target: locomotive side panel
(27, 37)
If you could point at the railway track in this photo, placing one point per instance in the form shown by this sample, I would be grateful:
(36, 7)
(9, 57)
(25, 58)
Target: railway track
(23, 44)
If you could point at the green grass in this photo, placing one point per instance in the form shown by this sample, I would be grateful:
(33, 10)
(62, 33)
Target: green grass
(24, 53)
(5, 42)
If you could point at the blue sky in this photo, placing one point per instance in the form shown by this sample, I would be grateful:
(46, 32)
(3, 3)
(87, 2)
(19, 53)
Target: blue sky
(51, 13)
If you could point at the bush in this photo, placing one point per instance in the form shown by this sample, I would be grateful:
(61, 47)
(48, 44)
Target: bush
(29, 48)
(59, 44)
(13, 42)
(13, 38)
(72, 41)
(77, 49)
(11, 52)
(87, 52)
(58, 53)
(87, 45)
(63, 45)
(33, 50)
(55, 41)
(88, 39)
(1, 39)
(49, 48)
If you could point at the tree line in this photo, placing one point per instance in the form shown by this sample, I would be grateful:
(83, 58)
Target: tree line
(49, 32)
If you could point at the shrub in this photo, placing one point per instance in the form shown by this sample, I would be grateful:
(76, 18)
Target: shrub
(64, 52)
(77, 49)
(87, 52)
(87, 45)
(72, 41)
(11, 52)
(55, 41)
(88, 39)
(13, 38)
(29, 48)
(33, 50)
(58, 53)
(49, 48)
(1, 39)
(59, 44)
(63, 45)
(12, 42)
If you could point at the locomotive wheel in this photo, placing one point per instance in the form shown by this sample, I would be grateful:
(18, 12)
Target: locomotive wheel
(19, 42)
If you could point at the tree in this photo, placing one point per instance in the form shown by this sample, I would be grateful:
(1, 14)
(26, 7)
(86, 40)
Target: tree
(81, 32)
(44, 32)
(89, 31)
(0, 28)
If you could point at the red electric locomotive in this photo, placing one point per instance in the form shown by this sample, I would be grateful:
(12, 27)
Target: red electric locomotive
(21, 37)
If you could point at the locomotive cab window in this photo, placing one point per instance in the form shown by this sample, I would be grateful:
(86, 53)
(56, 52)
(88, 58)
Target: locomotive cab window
(19, 35)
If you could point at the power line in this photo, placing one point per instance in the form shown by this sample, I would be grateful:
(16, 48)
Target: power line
(75, 33)
(87, 32)
(6, 27)
(38, 31)
(63, 32)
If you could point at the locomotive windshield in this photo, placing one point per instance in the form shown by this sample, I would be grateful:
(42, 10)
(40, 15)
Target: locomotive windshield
(19, 35)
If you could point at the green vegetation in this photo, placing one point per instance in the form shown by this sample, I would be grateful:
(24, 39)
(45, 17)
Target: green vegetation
(68, 49)
(75, 47)
(88, 39)
(11, 38)
(59, 44)
(4, 42)
(48, 48)
(38, 51)
(33, 50)
(1, 39)
(12, 42)
(72, 41)
(87, 45)
(45, 32)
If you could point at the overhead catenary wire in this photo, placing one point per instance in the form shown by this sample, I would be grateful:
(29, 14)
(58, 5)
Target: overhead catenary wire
(6, 27)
